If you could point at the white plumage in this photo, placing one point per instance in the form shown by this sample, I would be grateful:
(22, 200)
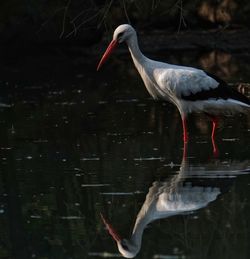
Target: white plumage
(190, 89)
(181, 80)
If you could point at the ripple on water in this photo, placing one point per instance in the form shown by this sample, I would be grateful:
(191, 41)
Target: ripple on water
(230, 139)
(95, 185)
(149, 158)
(71, 217)
(104, 254)
(90, 158)
(127, 100)
(117, 193)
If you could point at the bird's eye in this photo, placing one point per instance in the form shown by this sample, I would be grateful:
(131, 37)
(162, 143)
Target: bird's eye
(125, 247)
(119, 35)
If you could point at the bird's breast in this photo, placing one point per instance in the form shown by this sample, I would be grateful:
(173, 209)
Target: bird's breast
(155, 90)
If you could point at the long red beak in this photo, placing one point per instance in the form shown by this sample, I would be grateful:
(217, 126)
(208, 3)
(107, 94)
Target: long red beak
(107, 53)
(110, 229)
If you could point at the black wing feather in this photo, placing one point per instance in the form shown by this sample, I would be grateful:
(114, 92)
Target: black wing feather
(222, 91)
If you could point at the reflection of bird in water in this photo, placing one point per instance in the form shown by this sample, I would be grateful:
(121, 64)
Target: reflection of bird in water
(182, 194)
(190, 89)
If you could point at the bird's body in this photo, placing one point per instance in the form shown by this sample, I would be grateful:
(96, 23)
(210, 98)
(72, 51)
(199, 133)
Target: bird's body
(189, 89)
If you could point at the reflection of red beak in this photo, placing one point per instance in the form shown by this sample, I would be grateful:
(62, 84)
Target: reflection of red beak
(107, 53)
(110, 229)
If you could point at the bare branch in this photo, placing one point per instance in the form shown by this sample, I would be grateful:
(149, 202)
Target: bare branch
(64, 18)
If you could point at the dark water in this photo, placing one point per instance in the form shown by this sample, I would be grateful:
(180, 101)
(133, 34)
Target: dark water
(76, 143)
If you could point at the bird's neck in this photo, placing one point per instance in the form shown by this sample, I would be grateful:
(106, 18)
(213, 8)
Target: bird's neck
(140, 225)
(135, 52)
(136, 237)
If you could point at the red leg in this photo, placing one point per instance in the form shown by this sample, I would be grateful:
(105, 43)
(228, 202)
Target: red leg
(215, 124)
(184, 126)
(215, 149)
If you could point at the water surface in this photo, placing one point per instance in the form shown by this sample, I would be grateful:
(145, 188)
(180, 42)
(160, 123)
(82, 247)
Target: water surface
(76, 143)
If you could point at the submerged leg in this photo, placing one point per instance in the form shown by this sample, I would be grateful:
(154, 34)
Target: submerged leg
(214, 127)
(185, 132)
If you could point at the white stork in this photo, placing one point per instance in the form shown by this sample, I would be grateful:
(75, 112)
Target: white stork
(190, 89)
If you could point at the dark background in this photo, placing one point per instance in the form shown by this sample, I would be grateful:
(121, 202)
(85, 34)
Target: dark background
(29, 24)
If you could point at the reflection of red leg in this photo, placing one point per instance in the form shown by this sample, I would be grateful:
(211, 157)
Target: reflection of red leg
(184, 154)
(185, 133)
(215, 149)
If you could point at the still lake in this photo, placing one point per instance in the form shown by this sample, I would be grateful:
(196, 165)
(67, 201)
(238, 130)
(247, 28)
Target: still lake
(75, 143)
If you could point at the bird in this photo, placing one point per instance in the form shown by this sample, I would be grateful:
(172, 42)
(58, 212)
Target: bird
(189, 89)
(192, 189)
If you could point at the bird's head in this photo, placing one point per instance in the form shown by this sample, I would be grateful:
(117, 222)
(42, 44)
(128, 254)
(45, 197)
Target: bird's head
(127, 249)
(125, 246)
(121, 34)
